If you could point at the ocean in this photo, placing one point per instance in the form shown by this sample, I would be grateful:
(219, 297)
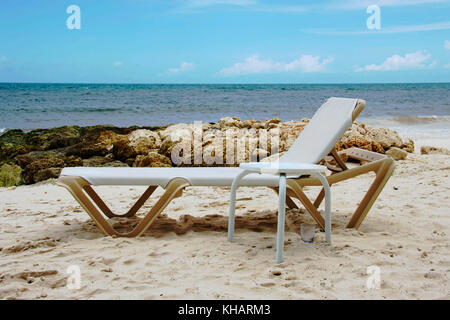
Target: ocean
(416, 110)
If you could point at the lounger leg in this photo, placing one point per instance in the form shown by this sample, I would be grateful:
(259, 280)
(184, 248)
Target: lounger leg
(312, 210)
(107, 212)
(289, 202)
(281, 212)
(232, 207)
(383, 169)
(383, 173)
(77, 187)
(319, 198)
(326, 188)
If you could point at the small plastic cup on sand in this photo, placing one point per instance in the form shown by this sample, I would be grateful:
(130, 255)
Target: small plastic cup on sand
(307, 232)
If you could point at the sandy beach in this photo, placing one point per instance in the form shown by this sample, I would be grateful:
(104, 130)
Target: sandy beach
(43, 231)
(111, 106)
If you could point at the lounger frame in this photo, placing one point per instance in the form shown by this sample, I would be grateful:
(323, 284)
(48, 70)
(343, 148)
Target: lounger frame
(383, 167)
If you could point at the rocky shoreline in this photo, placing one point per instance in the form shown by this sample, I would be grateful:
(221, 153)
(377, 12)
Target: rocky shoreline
(30, 157)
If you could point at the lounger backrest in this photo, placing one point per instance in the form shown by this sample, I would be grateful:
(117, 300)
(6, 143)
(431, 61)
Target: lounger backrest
(322, 132)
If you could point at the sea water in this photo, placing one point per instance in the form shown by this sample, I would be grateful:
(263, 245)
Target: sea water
(416, 110)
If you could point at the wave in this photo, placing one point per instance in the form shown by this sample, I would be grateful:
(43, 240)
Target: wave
(94, 109)
(414, 120)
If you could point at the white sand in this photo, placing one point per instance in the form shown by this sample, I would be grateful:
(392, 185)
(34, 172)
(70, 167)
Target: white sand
(43, 229)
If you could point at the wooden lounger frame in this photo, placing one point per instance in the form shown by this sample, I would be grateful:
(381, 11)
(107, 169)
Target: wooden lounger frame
(383, 167)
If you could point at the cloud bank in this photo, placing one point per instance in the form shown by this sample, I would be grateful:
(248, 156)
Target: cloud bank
(416, 60)
(184, 66)
(254, 65)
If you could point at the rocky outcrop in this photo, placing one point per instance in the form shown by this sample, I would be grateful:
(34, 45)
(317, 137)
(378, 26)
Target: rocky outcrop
(41, 154)
(434, 150)
(42, 165)
(152, 159)
(10, 175)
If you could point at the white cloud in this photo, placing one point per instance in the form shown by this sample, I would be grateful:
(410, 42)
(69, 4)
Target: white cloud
(253, 64)
(416, 60)
(184, 66)
(447, 44)
(308, 63)
(394, 29)
(118, 64)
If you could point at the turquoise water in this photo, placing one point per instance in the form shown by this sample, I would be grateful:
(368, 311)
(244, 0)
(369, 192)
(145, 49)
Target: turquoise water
(30, 106)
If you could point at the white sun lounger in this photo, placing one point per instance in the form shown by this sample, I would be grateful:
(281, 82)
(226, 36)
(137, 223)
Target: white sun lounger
(315, 142)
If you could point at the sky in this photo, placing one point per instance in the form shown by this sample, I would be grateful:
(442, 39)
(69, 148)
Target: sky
(224, 41)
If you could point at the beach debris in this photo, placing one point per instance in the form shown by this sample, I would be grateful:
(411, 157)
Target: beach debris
(434, 150)
(29, 276)
(275, 272)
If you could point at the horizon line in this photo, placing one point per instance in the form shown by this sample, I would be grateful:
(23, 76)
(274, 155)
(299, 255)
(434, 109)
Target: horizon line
(221, 83)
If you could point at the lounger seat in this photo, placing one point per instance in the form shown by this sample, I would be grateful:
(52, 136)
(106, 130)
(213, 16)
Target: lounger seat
(207, 176)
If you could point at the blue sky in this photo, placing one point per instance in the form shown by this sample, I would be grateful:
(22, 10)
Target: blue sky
(224, 41)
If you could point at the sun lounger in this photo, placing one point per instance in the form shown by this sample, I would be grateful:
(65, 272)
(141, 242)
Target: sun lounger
(315, 142)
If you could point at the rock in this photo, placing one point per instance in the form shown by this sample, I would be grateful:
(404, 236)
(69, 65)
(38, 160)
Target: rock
(290, 131)
(408, 145)
(359, 141)
(272, 123)
(138, 142)
(397, 153)
(115, 163)
(434, 150)
(100, 145)
(167, 146)
(107, 161)
(10, 175)
(144, 140)
(36, 161)
(42, 153)
(13, 143)
(257, 124)
(31, 170)
(95, 161)
(55, 138)
(47, 173)
(385, 137)
(249, 124)
(276, 272)
(228, 122)
(153, 159)
(122, 150)
(177, 132)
